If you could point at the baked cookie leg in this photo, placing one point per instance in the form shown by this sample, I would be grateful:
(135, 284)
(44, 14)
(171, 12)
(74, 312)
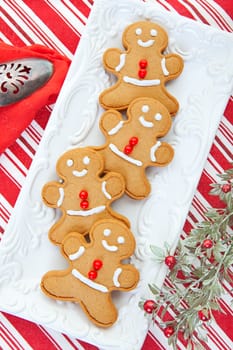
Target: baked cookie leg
(137, 185)
(61, 285)
(118, 96)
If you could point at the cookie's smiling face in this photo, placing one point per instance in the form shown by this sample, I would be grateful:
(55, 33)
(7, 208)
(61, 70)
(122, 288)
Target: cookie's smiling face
(145, 35)
(150, 114)
(114, 238)
(79, 163)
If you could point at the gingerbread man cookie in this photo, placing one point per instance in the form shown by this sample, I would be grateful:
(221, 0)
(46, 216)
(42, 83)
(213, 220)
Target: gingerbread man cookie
(95, 270)
(132, 145)
(84, 194)
(142, 70)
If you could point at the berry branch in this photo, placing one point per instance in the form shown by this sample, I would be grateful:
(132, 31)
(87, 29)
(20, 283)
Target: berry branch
(202, 262)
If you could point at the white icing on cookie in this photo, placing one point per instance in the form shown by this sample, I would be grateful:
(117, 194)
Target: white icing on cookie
(138, 31)
(164, 68)
(158, 116)
(69, 162)
(116, 275)
(110, 248)
(107, 232)
(120, 154)
(153, 150)
(86, 160)
(145, 108)
(122, 62)
(153, 32)
(115, 130)
(143, 82)
(61, 196)
(92, 211)
(79, 173)
(105, 192)
(145, 123)
(77, 254)
(89, 282)
(120, 240)
(147, 43)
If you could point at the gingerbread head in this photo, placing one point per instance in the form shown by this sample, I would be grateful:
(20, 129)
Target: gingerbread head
(83, 194)
(142, 69)
(133, 144)
(95, 270)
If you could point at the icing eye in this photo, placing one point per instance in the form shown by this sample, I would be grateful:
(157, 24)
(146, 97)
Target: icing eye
(158, 116)
(120, 240)
(138, 31)
(86, 160)
(70, 162)
(107, 232)
(145, 109)
(153, 32)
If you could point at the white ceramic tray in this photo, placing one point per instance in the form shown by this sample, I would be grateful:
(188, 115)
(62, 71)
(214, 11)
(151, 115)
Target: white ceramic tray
(202, 91)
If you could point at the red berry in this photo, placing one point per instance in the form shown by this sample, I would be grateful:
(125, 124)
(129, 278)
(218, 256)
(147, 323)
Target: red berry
(143, 64)
(97, 264)
(142, 73)
(168, 331)
(128, 149)
(226, 188)
(204, 315)
(92, 275)
(133, 141)
(207, 243)
(170, 261)
(83, 194)
(84, 204)
(149, 306)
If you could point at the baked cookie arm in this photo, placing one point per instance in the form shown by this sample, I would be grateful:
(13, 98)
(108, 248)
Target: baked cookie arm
(112, 59)
(126, 277)
(73, 246)
(113, 185)
(172, 65)
(111, 122)
(161, 154)
(52, 194)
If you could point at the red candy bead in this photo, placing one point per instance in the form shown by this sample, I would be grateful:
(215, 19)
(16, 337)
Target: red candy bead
(84, 204)
(143, 64)
(149, 306)
(83, 194)
(204, 315)
(128, 149)
(170, 261)
(226, 188)
(207, 244)
(133, 141)
(92, 275)
(97, 264)
(142, 73)
(168, 331)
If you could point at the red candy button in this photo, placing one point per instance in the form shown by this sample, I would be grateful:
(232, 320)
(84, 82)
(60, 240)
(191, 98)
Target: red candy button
(83, 194)
(142, 73)
(133, 141)
(84, 204)
(143, 64)
(92, 275)
(128, 149)
(97, 264)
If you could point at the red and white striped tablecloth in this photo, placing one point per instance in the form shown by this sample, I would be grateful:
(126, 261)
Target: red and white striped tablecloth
(59, 24)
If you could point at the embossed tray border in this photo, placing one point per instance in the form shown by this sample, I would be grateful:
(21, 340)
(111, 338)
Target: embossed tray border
(25, 252)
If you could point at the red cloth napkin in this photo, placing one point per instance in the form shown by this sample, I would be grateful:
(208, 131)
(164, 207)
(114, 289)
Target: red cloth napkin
(14, 118)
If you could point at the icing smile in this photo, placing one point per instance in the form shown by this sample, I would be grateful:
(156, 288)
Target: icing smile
(110, 248)
(147, 43)
(145, 123)
(79, 173)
